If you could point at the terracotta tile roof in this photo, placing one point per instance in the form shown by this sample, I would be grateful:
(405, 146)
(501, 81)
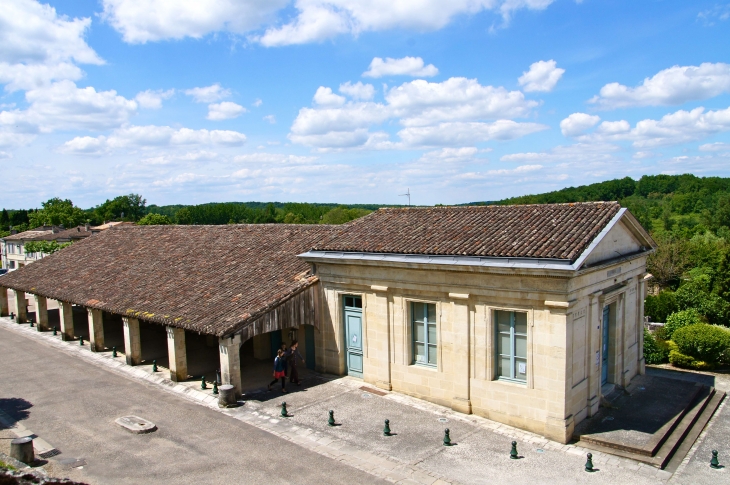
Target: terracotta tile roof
(560, 231)
(210, 279)
(42, 234)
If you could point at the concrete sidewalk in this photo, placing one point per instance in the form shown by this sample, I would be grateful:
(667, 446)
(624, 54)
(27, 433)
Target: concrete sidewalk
(415, 454)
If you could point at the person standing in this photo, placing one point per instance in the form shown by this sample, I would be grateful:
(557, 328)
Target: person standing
(279, 373)
(292, 359)
(285, 358)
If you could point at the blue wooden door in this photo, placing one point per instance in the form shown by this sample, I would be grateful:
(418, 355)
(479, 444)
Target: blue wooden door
(353, 334)
(604, 345)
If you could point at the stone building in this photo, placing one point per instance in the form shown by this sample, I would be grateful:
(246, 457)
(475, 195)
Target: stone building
(523, 314)
(12, 247)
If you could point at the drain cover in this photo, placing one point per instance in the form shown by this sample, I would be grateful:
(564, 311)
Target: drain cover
(366, 395)
(540, 450)
(135, 424)
(443, 420)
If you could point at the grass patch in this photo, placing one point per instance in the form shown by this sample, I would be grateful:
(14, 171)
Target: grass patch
(6, 466)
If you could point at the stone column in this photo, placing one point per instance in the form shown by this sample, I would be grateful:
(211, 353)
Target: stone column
(21, 308)
(4, 309)
(132, 341)
(230, 354)
(377, 351)
(65, 312)
(177, 354)
(41, 312)
(96, 330)
(460, 352)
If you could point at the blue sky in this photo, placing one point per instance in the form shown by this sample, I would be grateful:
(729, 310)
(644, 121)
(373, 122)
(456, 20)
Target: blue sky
(354, 101)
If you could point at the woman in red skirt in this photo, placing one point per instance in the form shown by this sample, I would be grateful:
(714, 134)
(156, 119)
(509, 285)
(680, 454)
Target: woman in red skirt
(279, 372)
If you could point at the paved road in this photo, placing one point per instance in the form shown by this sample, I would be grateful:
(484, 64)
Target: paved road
(73, 405)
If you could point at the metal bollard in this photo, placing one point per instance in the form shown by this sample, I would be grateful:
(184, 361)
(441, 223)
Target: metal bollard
(386, 429)
(154, 365)
(331, 420)
(714, 463)
(114, 352)
(215, 388)
(81, 340)
(447, 438)
(589, 463)
(513, 452)
(284, 412)
(202, 384)
(55, 331)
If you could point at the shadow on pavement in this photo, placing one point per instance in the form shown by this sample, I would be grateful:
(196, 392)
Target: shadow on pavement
(16, 408)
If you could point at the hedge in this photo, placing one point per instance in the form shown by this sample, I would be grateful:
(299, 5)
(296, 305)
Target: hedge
(678, 320)
(702, 342)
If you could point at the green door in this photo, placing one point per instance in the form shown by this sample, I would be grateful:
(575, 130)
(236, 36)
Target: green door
(353, 334)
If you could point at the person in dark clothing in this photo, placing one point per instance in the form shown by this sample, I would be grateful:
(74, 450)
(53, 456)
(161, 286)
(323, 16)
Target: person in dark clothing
(292, 360)
(279, 373)
(285, 357)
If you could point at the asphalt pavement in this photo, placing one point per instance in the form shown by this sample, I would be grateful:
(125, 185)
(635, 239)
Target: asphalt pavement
(73, 405)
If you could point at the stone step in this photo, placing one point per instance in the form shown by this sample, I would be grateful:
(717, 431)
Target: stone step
(680, 432)
(693, 433)
(677, 439)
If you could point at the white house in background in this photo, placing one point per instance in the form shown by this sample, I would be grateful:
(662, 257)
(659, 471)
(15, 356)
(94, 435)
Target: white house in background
(12, 247)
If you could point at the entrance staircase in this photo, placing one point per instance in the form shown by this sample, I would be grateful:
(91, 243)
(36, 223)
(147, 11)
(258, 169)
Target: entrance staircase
(621, 427)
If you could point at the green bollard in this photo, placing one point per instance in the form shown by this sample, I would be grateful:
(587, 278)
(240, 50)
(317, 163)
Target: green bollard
(714, 463)
(284, 412)
(12, 316)
(81, 340)
(331, 420)
(55, 331)
(513, 452)
(589, 463)
(386, 430)
(114, 352)
(154, 366)
(215, 388)
(31, 323)
(202, 384)
(447, 438)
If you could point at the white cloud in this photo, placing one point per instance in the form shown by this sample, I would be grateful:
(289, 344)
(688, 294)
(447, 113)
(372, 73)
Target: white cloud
(578, 123)
(270, 118)
(85, 145)
(718, 13)
(141, 21)
(432, 114)
(274, 158)
(325, 97)
(359, 91)
(318, 20)
(208, 94)
(152, 136)
(257, 103)
(672, 129)
(224, 111)
(150, 99)
(715, 147)
(450, 155)
(542, 76)
(64, 106)
(38, 47)
(460, 133)
(676, 85)
(406, 66)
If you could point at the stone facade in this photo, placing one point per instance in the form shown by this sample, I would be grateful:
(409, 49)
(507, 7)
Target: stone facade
(564, 311)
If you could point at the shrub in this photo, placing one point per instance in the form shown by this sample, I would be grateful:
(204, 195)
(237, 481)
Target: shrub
(703, 342)
(656, 350)
(682, 319)
(659, 307)
(152, 219)
(678, 359)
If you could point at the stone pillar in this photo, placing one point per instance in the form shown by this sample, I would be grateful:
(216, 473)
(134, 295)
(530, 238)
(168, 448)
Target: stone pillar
(230, 354)
(4, 309)
(460, 341)
(65, 313)
(96, 330)
(177, 354)
(41, 312)
(21, 307)
(132, 341)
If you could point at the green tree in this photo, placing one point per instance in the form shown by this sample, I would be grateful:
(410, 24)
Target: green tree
(56, 212)
(183, 216)
(4, 220)
(154, 220)
(722, 277)
(125, 207)
(45, 247)
(341, 215)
